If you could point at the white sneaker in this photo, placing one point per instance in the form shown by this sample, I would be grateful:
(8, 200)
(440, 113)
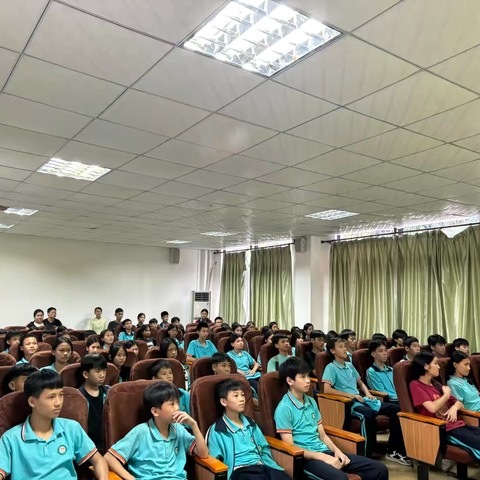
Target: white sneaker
(398, 458)
(447, 465)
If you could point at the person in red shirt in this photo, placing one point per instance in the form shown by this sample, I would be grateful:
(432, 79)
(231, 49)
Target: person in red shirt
(434, 400)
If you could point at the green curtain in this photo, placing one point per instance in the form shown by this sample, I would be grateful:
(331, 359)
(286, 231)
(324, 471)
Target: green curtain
(271, 287)
(231, 289)
(426, 283)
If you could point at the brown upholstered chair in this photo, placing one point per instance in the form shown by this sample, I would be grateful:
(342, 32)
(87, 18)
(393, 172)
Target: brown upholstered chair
(363, 343)
(44, 359)
(221, 335)
(286, 332)
(475, 369)
(37, 333)
(395, 355)
(13, 327)
(142, 349)
(4, 369)
(162, 334)
(425, 347)
(141, 371)
(425, 437)
(255, 345)
(80, 346)
(302, 348)
(252, 334)
(124, 410)
(192, 336)
(154, 352)
(270, 391)
(15, 351)
(7, 360)
(390, 342)
(266, 353)
(3, 344)
(190, 327)
(443, 362)
(449, 349)
(78, 333)
(222, 343)
(202, 368)
(72, 376)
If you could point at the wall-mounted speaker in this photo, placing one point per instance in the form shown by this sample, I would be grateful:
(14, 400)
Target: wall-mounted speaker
(174, 255)
(300, 245)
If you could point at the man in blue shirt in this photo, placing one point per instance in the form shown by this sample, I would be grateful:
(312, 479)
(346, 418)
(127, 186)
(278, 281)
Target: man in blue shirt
(46, 446)
(201, 347)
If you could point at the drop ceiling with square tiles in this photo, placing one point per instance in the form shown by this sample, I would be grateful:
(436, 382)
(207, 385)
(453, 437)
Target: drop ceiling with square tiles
(383, 121)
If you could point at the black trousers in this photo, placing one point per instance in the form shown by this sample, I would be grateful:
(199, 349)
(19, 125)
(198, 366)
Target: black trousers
(395, 441)
(259, 472)
(254, 383)
(366, 468)
(468, 438)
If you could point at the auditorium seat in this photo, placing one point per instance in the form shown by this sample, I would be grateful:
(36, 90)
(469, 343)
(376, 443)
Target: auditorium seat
(37, 333)
(266, 353)
(78, 333)
(395, 355)
(141, 371)
(302, 348)
(72, 376)
(190, 327)
(42, 347)
(221, 335)
(7, 360)
(223, 342)
(363, 343)
(202, 367)
(4, 369)
(45, 359)
(252, 334)
(192, 336)
(449, 349)
(13, 327)
(154, 352)
(3, 345)
(255, 345)
(362, 360)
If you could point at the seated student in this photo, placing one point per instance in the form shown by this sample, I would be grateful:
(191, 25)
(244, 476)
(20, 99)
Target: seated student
(273, 326)
(281, 343)
(463, 390)
(434, 400)
(329, 335)
(412, 347)
(246, 365)
(380, 375)
(37, 322)
(265, 329)
(52, 318)
(399, 337)
(218, 321)
(97, 323)
(238, 329)
(153, 322)
(132, 346)
(16, 376)
(127, 332)
(237, 441)
(118, 320)
(225, 328)
(350, 338)
(28, 348)
(267, 339)
(12, 339)
(162, 370)
(169, 349)
(63, 332)
(176, 321)
(204, 317)
(140, 319)
(118, 356)
(137, 454)
(462, 345)
(307, 330)
(380, 336)
(93, 368)
(317, 338)
(250, 326)
(62, 351)
(164, 316)
(47, 332)
(201, 347)
(341, 378)
(145, 333)
(107, 339)
(93, 345)
(295, 338)
(436, 344)
(298, 421)
(172, 332)
(46, 446)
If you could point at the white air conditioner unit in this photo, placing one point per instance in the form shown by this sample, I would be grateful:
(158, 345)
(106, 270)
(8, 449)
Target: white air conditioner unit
(200, 300)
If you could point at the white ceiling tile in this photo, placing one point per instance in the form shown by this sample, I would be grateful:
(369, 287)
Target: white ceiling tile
(472, 143)
(29, 115)
(184, 190)
(153, 114)
(256, 189)
(287, 150)
(470, 199)
(171, 21)
(188, 154)
(136, 206)
(451, 191)
(337, 162)
(341, 127)
(346, 71)
(378, 174)
(90, 45)
(110, 191)
(7, 61)
(223, 133)
(25, 161)
(334, 202)
(61, 87)
(245, 167)
(157, 199)
(197, 80)
(372, 194)
(335, 186)
(92, 199)
(461, 173)
(46, 192)
(413, 99)
(8, 185)
(198, 205)
(225, 198)
(29, 142)
(419, 183)
(394, 144)
(293, 177)
(156, 168)
(52, 181)
(266, 204)
(275, 106)
(297, 196)
(17, 21)
(473, 181)
(416, 30)
(14, 174)
(366, 207)
(437, 158)
(218, 180)
(461, 122)
(298, 210)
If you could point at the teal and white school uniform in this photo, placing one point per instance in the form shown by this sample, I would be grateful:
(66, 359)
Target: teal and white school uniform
(197, 350)
(258, 360)
(275, 362)
(124, 337)
(349, 356)
(382, 380)
(184, 400)
(465, 392)
(179, 344)
(5, 351)
(51, 367)
(244, 362)
(293, 351)
(23, 360)
(149, 456)
(25, 456)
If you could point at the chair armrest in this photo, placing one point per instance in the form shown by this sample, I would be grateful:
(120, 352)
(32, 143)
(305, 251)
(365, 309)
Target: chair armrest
(284, 446)
(347, 442)
(189, 362)
(214, 465)
(470, 417)
(336, 432)
(422, 418)
(376, 393)
(337, 398)
(314, 380)
(111, 475)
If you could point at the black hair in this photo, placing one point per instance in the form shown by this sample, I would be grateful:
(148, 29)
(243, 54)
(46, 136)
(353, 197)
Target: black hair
(223, 388)
(38, 310)
(266, 336)
(250, 323)
(291, 367)
(399, 334)
(331, 344)
(235, 325)
(295, 329)
(166, 342)
(317, 334)
(62, 328)
(277, 337)
(216, 318)
(50, 309)
(409, 340)
(3, 331)
(225, 327)
(114, 349)
(152, 320)
(11, 334)
(331, 334)
(379, 337)
(92, 340)
(219, 357)
(435, 339)
(98, 308)
(204, 310)
(59, 342)
(271, 324)
(139, 332)
(42, 380)
(171, 327)
(374, 344)
(265, 329)
(163, 314)
(158, 365)
(174, 320)
(21, 353)
(87, 333)
(130, 344)
(49, 329)
(123, 329)
(18, 370)
(296, 335)
(201, 325)
(118, 310)
(346, 333)
(93, 361)
(456, 357)
(418, 364)
(158, 394)
(460, 342)
(306, 327)
(231, 339)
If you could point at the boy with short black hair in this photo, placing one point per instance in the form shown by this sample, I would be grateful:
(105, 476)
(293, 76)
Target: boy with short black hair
(45, 445)
(48, 331)
(350, 338)
(221, 363)
(436, 343)
(16, 377)
(218, 321)
(164, 316)
(380, 336)
(298, 421)
(237, 441)
(380, 375)
(164, 432)
(282, 344)
(462, 345)
(204, 317)
(412, 347)
(162, 370)
(12, 339)
(317, 338)
(93, 369)
(153, 322)
(202, 347)
(399, 337)
(118, 320)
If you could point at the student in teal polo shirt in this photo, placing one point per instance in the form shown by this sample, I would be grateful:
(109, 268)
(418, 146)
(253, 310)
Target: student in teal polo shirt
(458, 369)
(298, 421)
(350, 338)
(412, 347)
(282, 344)
(28, 347)
(62, 351)
(12, 339)
(237, 441)
(202, 347)
(158, 449)
(380, 375)
(46, 446)
(246, 365)
(16, 377)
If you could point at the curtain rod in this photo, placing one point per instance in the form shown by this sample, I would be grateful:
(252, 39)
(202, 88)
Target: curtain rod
(250, 249)
(400, 231)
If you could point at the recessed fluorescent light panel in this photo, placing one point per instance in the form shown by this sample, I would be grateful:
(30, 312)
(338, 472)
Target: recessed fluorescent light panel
(219, 234)
(3, 225)
(179, 242)
(80, 171)
(331, 215)
(262, 36)
(24, 212)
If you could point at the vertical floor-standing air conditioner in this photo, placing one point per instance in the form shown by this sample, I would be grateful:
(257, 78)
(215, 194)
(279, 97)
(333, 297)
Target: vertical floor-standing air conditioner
(200, 300)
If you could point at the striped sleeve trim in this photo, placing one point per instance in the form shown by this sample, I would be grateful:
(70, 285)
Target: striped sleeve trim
(320, 422)
(192, 446)
(117, 456)
(4, 473)
(284, 430)
(358, 379)
(91, 454)
(326, 381)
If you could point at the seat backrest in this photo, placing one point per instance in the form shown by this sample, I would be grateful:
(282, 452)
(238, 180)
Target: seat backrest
(6, 360)
(154, 352)
(141, 371)
(395, 354)
(37, 333)
(202, 400)
(15, 327)
(222, 343)
(425, 348)
(443, 362)
(449, 349)
(190, 327)
(221, 335)
(255, 345)
(390, 342)
(202, 367)
(321, 362)
(78, 333)
(475, 368)
(50, 339)
(72, 376)
(302, 348)
(44, 359)
(3, 344)
(401, 379)
(266, 353)
(142, 349)
(362, 361)
(4, 369)
(14, 409)
(286, 332)
(124, 410)
(80, 346)
(363, 343)
(162, 334)
(42, 347)
(189, 337)
(251, 334)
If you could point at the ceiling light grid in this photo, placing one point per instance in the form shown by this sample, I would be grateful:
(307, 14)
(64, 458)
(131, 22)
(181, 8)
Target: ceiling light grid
(23, 212)
(219, 234)
(4, 225)
(331, 215)
(77, 170)
(178, 242)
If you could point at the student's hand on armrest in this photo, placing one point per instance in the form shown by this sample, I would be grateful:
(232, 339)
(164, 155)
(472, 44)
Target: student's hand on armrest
(190, 358)
(452, 412)
(116, 467)
(359, 398)
(100, 467)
